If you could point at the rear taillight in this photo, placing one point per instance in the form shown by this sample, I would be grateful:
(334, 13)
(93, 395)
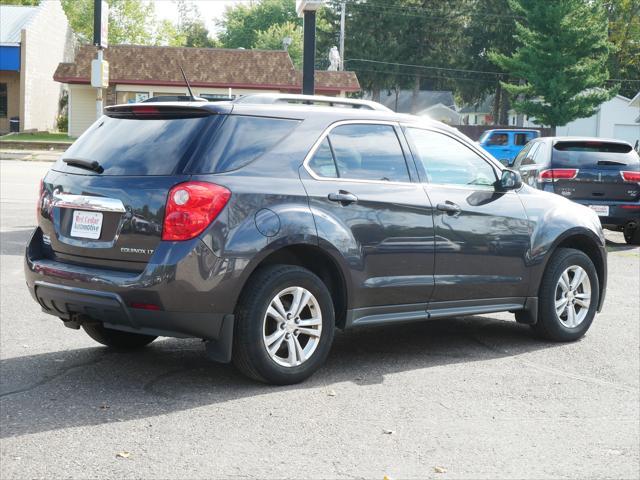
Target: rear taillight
(191, 207)
(631, 176)
(39, 204)
(554, 174)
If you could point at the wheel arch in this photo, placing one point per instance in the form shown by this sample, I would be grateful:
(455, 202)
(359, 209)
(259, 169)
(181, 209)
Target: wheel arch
(590, 244)
(316, 259)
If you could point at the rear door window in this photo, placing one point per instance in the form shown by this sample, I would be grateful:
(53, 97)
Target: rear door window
(368, 152)
(522, 138)
(322, 162)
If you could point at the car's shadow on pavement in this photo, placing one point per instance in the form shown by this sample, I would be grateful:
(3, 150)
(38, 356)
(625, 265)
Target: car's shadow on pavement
(619, 247)
(92, 386)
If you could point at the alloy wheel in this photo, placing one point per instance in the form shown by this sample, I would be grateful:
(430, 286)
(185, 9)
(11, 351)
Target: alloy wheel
(573, 296)
(292, 326)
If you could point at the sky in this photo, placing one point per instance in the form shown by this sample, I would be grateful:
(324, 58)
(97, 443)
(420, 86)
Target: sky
(210, 10)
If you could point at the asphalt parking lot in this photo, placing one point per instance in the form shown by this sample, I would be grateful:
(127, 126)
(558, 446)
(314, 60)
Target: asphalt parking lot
(474, 397)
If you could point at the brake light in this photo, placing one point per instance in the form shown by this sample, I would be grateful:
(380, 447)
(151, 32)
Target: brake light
(631, 176)
(191, 207)
(145, 110)
(554, 174)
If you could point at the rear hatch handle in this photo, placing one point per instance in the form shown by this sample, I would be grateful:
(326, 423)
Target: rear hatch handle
(87, 202)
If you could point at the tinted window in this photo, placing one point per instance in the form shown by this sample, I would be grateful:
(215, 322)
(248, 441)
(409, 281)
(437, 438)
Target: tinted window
(368, 152)
(522, 154)
(322, 162)
(447, 161)
(522, 138)
(526, 157)
(498, 138)
(592, 153)
(135, 146)
(239, 141)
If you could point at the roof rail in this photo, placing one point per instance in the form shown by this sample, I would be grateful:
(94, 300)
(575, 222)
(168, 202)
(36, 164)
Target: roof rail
(273, 98)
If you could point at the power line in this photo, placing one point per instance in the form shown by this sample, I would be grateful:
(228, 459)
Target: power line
(425, 66)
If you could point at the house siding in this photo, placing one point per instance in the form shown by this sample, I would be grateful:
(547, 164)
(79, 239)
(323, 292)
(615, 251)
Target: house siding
(82, 108)
(46, 42)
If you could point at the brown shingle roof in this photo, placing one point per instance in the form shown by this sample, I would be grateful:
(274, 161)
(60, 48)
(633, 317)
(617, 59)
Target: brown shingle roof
(205, 67)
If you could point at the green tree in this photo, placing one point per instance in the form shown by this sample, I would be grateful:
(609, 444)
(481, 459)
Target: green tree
(241, 23)
(271, 39)
(561, 57)
(491, 27)
(130, 21)
(191, 30)
(624, 34)
(27, 3)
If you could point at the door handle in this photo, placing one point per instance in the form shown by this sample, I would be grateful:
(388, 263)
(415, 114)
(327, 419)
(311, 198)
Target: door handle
(449, 207)
(345, 198)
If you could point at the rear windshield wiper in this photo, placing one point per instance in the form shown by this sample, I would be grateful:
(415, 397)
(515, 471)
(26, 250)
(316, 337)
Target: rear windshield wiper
(87, 164)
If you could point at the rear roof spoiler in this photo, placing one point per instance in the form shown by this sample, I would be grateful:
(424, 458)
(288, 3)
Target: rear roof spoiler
(273, 98)
(159, 110)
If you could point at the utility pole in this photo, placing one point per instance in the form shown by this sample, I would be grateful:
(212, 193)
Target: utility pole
(342, 15)
(99, 67)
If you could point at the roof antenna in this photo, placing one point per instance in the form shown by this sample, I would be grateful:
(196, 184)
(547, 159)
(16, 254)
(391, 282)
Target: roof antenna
(193, 98)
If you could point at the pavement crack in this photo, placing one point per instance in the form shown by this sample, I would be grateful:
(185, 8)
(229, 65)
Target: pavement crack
(62, 372)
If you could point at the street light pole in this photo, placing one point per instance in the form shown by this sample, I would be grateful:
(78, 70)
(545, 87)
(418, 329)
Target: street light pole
(309, 53)
(307, 9)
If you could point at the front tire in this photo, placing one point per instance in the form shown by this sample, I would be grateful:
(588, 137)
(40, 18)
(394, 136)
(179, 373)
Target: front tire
(115, 338)
(568, 296)
(284, 325)
(632, 235)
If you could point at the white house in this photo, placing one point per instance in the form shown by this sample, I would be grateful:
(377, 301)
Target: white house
(617, 118)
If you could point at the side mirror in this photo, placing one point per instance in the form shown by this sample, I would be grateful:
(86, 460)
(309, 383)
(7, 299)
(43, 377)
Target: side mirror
(510, 180)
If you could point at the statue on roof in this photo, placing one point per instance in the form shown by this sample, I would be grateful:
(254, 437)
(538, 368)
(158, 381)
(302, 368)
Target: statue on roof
(334, 59)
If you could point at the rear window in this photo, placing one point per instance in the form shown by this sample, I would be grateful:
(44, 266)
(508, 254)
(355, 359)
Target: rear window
(136, 146)
(592, 153)
(164, 146)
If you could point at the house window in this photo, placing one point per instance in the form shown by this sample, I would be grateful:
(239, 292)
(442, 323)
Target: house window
(131, 97)
(3, 100)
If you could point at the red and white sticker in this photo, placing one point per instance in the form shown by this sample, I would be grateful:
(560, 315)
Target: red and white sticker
(86, 224)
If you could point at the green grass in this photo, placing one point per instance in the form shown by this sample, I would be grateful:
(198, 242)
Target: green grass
(37, 137)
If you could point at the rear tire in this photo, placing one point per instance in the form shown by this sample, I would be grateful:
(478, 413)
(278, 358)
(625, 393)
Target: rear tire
(632, 235)
(568, 296)
(115, 338)
(275, 342)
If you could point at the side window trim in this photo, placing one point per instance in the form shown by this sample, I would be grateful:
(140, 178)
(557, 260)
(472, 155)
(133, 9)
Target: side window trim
(327, 132)
(418, 164)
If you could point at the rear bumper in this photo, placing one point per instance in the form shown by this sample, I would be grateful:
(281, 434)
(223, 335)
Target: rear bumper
(182, 291)
(620, 213)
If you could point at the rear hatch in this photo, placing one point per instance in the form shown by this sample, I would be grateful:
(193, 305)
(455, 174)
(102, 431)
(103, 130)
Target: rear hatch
(593, 170)
(103, 201)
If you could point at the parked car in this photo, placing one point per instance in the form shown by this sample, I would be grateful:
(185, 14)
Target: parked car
(599, 173)
(282, 221)
(505, 144)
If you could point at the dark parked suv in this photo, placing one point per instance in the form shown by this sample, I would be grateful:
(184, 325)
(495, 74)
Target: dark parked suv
(599, 173)
(262, 224)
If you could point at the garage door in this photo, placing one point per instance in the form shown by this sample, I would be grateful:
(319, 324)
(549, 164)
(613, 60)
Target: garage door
(630, 133)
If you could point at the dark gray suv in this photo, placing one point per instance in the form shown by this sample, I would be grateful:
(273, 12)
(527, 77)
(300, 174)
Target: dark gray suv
(263, 224)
